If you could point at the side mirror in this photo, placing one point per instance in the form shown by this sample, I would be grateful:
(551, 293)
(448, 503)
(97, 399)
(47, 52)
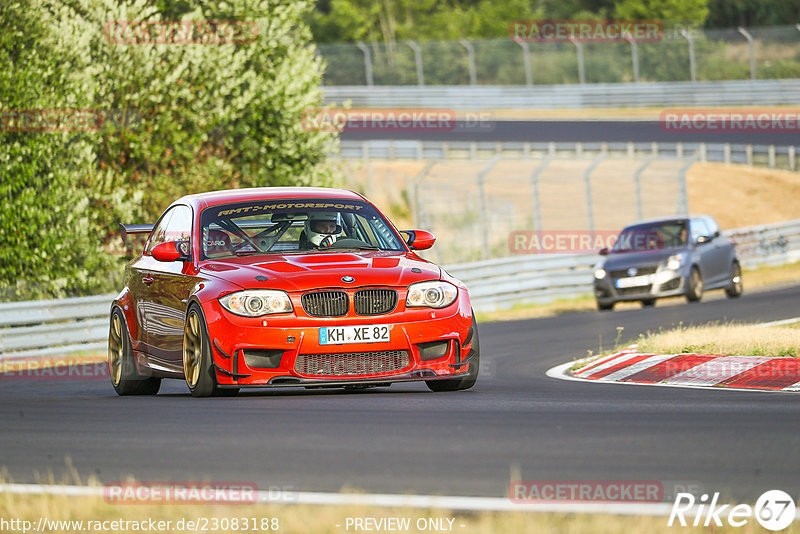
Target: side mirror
(419, 239)
(704, 239)
(171, 251)
(603, 251)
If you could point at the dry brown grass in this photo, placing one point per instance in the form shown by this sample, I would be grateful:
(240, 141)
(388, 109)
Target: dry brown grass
(728, 339)
(324, 519)
(738, 195)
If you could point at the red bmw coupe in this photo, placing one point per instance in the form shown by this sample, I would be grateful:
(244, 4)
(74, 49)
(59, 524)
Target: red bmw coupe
(287, 287)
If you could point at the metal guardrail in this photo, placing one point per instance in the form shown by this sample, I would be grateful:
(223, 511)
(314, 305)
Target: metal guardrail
(771, 156)
(42, 327)
(505, 282)
(56, 327)
(578, 96)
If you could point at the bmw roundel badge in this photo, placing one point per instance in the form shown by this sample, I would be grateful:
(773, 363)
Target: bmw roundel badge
(348, 279)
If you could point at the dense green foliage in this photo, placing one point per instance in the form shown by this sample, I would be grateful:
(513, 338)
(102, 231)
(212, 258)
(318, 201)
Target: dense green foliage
(397, 20)
(179, 119)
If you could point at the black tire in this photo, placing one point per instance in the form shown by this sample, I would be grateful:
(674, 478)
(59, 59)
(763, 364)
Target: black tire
(121, 367)
(735, 287)
(694, 289)
(466, 382)
(605, 307)
(198, 368)
(648, 303)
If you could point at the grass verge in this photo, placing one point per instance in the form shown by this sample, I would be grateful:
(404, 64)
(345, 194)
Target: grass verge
(314, 519)
(727, 339)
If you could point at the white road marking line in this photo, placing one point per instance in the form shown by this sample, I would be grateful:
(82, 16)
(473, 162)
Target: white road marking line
(456, 503)
(778, 323)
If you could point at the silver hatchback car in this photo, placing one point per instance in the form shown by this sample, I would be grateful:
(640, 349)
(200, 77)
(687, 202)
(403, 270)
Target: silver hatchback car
(667, 257)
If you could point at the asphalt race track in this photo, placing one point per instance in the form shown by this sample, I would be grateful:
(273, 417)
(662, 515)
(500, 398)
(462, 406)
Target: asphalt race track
(574, 131)
(407, 439)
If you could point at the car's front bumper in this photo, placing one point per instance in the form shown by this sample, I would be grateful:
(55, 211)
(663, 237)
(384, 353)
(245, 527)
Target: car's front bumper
(291, 345)
(664, 284)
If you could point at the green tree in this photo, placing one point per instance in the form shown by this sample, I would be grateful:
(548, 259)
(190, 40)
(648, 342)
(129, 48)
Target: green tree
(667, 11)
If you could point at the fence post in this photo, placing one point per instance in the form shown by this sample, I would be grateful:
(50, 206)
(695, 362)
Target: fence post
(683, 196)
(417, 60)
(485, 220)
(751, 46)
(537, 212)
(791, 158)
(634, 59)
(526, 58)
(637, 187)
(367, 62)
(473, 77)
(692, 68)
(581, 69)
(416, 201)
(587, 185)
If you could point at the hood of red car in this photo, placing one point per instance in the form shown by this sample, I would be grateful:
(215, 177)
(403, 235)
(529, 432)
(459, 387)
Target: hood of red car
(301, 272)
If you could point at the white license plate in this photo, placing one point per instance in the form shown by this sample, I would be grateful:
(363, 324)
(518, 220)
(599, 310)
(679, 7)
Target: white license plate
(635, 281)
(341, 335)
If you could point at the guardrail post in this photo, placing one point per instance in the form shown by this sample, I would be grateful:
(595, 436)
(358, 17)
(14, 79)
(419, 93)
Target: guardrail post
(692, 67)
(703, 152)
(537, 212)
(367, 62)
(473, 77)
(792, 158)
(581, 68)
(526, 61)
(417, 60)
(587, 186)
(485, 221)
(634, 59)
(771, 155)
(751, 46)
(727, 149)
(416, 200)
(631, 150)
(748, 151)
(637, 187)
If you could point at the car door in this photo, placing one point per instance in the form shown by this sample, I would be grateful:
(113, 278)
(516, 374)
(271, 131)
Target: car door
(704, 253)
(168, 287)
(723, 252)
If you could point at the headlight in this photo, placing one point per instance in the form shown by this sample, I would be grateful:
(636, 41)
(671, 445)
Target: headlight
(675, 261)
(434, 294)
(257, 302)
(600, 273)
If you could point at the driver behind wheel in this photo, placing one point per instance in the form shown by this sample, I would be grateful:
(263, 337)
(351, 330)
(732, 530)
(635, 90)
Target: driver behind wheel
(323, 228)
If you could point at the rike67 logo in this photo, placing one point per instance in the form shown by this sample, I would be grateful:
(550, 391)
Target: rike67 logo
(774, 510)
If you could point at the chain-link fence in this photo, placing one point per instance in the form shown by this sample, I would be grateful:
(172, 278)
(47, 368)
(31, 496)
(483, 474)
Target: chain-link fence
(682, 55)
(501, 207)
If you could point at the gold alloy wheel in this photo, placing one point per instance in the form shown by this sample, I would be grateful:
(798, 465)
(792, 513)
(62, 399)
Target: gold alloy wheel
(116, 349)
(192, 349)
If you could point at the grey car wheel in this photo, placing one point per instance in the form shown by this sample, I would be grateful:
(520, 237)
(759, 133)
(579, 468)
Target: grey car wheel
(735, 287)
(694, 291)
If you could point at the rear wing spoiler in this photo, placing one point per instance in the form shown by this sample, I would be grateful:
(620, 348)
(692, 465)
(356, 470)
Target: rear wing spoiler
(134, 229)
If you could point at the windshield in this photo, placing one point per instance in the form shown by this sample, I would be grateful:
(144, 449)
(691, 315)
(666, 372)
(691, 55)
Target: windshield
(294, 225)
(653, 236)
